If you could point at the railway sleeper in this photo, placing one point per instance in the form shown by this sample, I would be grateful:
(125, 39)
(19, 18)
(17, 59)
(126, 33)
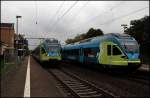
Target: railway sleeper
(73, 83)
(83, 87)
(80, 87)
(83, 90)
(90, 94)
(97, 95)
(87, 93)
(77, 85)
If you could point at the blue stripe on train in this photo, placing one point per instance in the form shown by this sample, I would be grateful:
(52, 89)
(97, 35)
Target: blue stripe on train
(133, 55)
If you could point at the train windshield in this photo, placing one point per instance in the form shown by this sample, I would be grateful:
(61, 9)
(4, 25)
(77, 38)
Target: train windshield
(52, 41)
(131, 46)
(54, 47)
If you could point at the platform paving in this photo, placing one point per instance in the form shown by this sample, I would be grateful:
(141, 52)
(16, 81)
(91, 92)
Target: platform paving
(42, 84)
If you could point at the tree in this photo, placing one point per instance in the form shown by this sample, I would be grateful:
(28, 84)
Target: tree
(91, 33)
(139, 29)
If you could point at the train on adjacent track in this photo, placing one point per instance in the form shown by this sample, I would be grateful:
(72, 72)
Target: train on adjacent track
(48, 51)
(110, 51)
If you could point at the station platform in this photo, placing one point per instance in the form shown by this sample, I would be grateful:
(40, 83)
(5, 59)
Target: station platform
(42, 83)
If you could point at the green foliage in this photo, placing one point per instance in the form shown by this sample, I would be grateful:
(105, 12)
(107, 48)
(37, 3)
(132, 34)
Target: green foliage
(91, 33)
(139, 29)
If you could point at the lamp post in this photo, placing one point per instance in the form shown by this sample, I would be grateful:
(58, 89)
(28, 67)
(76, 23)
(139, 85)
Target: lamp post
(17, 37)
(17, 27)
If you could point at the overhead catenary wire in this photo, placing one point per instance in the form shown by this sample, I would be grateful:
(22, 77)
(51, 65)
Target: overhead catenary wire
(36, 11)
(124, 15)
(75, 16)
(36, 17)
(61, 5)
(65, 13)
(117, 5)
(68, 9)
(37, 22)
(79, 11)
(93, 18)
(112, 20)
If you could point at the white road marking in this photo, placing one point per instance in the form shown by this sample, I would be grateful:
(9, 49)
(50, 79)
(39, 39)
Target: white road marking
(27, 82)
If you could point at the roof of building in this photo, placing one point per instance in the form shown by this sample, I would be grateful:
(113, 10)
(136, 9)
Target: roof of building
(9, 25)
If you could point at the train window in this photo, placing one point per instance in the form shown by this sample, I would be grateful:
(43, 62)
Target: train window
(76, 52)
(108, 50)
(52, 41)
(42, 50)
(116, 51)
(95, 51)
(86, 51)
(91, 52)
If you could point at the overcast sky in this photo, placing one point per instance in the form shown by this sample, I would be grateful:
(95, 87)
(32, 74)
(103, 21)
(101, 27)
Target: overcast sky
(66, 19)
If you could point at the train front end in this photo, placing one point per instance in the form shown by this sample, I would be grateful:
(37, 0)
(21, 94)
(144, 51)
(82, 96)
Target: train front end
(120, 51)
(51, 51)
(131, 50)
(54, 53)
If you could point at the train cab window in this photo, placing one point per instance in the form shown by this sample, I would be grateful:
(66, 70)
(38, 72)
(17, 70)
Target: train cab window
(108, 50)
(116, 51)
(42, 50)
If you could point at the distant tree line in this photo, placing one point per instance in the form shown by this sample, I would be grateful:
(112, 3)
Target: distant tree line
(91, 33)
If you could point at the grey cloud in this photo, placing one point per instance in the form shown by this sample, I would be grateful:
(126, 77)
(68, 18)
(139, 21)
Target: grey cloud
(78, 20)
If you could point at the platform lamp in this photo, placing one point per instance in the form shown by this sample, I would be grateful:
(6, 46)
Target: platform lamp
(17, 17)
(17, 37)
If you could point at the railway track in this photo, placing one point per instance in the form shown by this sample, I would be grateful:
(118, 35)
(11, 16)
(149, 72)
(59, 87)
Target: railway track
(137, 76)
(141, 77)
(78, 87)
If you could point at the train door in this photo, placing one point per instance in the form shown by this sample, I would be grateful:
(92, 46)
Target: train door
(81, 55)
(111, 54)
(105, 53)
(118, 57)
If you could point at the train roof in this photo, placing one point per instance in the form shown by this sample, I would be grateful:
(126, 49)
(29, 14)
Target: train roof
(49, 42)
(95, 41)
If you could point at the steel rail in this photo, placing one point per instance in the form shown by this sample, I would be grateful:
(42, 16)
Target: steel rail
(78, 87)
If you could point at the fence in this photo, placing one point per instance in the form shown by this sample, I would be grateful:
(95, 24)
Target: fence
(10, 57)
